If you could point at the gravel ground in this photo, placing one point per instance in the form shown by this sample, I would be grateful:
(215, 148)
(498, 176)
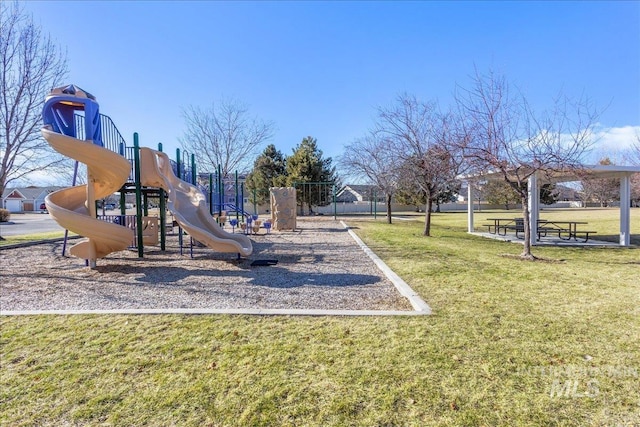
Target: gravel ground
(319, 267)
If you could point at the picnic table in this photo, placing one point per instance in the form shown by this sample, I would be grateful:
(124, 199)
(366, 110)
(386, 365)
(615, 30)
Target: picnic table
(566, 230)
(504, 224)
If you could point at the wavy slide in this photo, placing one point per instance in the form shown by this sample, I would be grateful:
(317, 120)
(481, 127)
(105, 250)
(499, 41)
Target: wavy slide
(189, 206)
(107, 171)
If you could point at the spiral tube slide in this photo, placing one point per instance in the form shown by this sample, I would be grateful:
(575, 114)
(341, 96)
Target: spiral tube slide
(189, 205)
(107, 172)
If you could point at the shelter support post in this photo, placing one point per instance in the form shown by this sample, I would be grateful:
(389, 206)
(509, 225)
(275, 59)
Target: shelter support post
(625, 210)
(534, 206)
(470, 198)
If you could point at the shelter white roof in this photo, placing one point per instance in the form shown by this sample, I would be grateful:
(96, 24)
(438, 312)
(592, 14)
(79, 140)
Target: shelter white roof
(574, 174)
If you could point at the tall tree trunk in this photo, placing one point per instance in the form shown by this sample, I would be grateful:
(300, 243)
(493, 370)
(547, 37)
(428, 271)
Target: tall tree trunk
(526, 220)
(427, 217)
(388, 201)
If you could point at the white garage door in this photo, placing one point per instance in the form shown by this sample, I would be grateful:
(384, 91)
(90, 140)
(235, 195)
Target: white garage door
(14, 205)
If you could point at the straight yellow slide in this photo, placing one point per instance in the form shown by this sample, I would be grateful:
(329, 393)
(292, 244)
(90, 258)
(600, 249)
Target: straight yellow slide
(107, 172)
(188, 205)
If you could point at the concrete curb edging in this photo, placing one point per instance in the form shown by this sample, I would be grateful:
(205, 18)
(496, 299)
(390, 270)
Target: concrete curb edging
(233, 311)
(403, 287)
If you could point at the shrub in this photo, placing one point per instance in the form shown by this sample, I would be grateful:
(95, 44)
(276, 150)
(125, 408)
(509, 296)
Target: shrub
(4, 215)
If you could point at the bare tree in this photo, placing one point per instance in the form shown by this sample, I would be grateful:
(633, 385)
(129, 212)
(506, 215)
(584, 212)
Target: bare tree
(635, 189)
(600, 190)
(507, 137)
(635, 151)
(224, 135)
(30, 65)
(635, 178)
(424, 143)
(376, 159)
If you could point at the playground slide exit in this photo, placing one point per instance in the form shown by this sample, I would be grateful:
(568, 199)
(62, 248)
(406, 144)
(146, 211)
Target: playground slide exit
(188, 205)
(107, 171)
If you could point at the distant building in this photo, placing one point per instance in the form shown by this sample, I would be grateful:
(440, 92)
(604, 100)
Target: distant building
(25, 199)
(359, 193)
(563, 193)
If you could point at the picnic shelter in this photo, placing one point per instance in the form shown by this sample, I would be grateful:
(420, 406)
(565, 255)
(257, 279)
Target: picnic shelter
(623, 173)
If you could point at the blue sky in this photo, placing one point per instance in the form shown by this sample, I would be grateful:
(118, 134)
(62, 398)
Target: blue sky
(321, 68)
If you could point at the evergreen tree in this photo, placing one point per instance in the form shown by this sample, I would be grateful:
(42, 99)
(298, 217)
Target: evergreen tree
(269, 170)
(501, 193)
(411, 196)
(306, 165)
(548, 194)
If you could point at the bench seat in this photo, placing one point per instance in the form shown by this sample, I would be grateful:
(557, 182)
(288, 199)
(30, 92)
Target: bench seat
(584, 234)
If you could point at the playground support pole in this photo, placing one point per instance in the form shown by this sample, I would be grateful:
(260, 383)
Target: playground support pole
(242, 197)
(193, 170)
(91, 204)
(220, 191)
(163, 215)
(211, 194)
(237, 213)
(178, 172)
(123, 203)
(73, 183)
(136, 161)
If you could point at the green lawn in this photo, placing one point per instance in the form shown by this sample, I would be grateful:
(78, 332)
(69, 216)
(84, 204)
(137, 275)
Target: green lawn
(26, 238)
(511, 343)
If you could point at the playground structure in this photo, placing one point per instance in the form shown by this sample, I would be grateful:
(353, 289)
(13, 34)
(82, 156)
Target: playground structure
(73, 208)
(75, 128)
(189, 206)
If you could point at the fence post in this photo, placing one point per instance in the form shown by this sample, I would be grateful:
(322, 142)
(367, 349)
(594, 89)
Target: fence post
(335, 207)
(375, 204)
